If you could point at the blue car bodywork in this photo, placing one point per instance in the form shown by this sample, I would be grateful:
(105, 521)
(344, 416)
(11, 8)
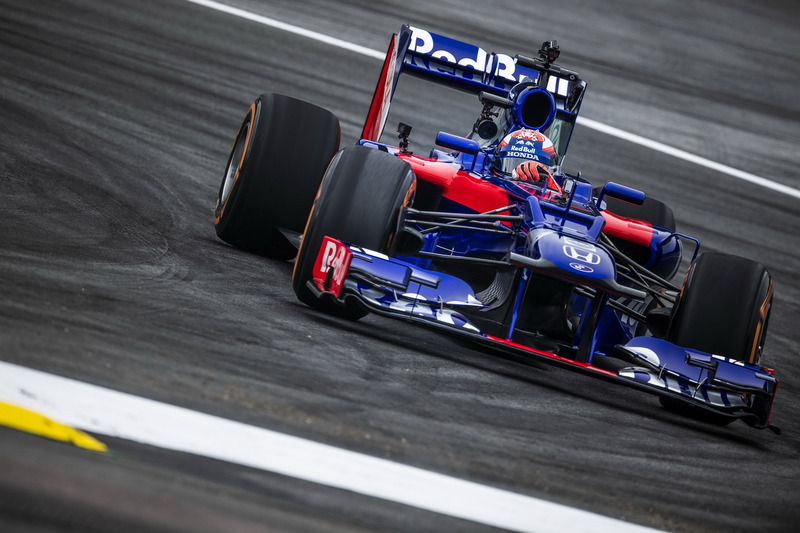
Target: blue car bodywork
(526, 269)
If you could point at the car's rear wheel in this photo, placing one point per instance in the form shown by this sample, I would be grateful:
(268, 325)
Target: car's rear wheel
(359, 202)
(656, 213)
(723, 309)
(653, 211)
(274, 169)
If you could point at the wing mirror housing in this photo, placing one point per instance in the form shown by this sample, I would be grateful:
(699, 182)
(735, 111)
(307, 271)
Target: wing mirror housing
(620, 192)
(457, 143)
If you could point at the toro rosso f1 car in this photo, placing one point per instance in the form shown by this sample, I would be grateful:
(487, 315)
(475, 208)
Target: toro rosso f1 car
(488, 238)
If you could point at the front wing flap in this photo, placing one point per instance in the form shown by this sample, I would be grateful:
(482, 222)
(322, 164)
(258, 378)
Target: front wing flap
(392, 287)
(721, 384)
(385, 284)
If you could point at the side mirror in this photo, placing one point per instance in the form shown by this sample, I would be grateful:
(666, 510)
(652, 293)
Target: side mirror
(459, 144)
(620, 192)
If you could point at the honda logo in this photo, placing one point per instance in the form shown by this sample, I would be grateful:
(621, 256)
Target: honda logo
(583, 256)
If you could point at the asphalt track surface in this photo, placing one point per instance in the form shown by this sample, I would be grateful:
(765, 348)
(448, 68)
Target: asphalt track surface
(117, 117)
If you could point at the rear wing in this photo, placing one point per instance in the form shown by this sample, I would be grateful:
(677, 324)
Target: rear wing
(469, 68)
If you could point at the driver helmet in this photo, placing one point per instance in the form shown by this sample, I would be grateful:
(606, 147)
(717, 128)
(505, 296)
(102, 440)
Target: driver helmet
(521, 146)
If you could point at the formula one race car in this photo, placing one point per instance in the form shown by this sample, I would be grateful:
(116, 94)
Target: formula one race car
(488, 238)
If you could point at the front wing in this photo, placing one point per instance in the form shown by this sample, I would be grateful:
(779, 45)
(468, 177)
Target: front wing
(391, 287)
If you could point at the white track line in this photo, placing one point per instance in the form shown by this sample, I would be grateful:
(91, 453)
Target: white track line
(697, 160)
(591, 124)
(272, 23)
(117, 414)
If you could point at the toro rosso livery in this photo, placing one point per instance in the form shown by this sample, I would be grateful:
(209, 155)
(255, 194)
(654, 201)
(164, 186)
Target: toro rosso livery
(488, 238)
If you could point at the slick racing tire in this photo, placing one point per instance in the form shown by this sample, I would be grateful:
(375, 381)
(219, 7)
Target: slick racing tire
(274, 169)
(359, 202)
(723, 309)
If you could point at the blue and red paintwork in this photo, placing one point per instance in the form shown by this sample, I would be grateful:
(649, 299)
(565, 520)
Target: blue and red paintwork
(555, 234)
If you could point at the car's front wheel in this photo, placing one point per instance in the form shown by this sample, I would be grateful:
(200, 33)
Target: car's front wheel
(274, 169)
(723, 309)
(359, 202)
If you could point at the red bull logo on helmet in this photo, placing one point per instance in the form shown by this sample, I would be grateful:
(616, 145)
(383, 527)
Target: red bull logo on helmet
(527, 144)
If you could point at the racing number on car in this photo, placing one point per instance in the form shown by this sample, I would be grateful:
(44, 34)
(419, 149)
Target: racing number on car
(334, 255)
